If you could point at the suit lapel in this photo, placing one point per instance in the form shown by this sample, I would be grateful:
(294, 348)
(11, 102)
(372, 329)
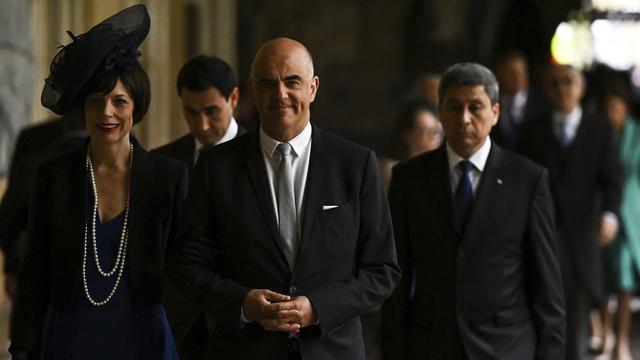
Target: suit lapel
(440, 181)
(258, 177)
(489, 188)
(311, 204)
(188, 150)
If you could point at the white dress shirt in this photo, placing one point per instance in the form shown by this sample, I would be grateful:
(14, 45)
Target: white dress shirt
(518, 105)
(572, 122)
(301, 145)
(478, 160)
(232, 131)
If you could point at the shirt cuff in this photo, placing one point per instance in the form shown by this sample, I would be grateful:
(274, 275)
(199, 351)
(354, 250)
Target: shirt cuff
(608, 215)
(242, 317)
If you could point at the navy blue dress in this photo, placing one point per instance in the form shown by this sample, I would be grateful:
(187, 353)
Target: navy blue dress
(115, 330)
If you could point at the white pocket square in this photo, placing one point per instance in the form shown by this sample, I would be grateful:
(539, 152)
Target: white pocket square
(329, 207)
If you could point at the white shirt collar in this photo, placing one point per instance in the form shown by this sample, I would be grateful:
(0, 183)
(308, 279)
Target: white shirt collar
(520, 98)
(573, 119)
(478, 159)
(232, 131)
(298, 143)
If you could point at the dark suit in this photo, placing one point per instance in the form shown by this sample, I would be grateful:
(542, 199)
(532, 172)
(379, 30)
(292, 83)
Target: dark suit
(509, 137)
(51, 273)
(346, 261)
(490, 291)
(585, 182)
(184, 148)
(191, 328)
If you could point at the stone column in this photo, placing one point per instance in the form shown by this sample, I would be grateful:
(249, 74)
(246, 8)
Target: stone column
(16, 75)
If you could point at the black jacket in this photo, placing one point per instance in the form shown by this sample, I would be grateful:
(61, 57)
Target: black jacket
(346, 260)
(585, 181)
(490, 291)
(51, 273)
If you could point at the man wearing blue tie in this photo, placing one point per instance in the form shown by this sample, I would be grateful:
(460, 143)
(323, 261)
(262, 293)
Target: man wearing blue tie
(476, 240)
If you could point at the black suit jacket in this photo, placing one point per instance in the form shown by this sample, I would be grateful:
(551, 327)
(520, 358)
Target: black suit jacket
(585, 182)
(191, 328)
(492, 291)
(184, 148)
(51, 273)
(346, 260)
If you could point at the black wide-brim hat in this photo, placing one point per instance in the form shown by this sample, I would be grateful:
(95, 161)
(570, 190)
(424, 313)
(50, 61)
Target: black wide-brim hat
(111, 44)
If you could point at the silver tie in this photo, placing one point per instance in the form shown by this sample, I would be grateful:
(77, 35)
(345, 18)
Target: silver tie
(287, 217)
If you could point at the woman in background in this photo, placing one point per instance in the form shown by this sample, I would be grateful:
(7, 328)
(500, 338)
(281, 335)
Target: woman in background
(622, 257)
(417, 131)
(102, 216)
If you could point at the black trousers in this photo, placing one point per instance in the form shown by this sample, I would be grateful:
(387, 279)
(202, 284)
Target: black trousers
(293, 349)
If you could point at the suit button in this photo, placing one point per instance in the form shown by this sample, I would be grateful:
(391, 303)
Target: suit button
(292, 291)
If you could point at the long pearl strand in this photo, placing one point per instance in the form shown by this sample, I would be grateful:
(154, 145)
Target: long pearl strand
(122, 248)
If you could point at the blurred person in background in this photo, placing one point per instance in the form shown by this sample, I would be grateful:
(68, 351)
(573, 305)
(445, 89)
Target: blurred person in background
(518, 103)
(425, 89)
(622, 256)
(427, 85)
(417, 130)
(35, 144)
(209, 95)
(576, 146)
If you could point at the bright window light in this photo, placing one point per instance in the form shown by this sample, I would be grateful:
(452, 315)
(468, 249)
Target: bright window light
(616, 5)
(572, 44)
(613, 43)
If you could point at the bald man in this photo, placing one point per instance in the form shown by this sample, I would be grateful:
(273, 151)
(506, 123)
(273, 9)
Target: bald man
(288, 235)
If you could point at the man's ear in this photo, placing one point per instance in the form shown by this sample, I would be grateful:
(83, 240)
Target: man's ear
(234, 97)
(495, 108)
(315, 84)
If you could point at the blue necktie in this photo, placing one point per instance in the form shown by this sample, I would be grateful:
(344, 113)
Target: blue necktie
(464, 192)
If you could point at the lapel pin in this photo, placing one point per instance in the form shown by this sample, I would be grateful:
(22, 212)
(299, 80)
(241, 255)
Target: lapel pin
(499, 181)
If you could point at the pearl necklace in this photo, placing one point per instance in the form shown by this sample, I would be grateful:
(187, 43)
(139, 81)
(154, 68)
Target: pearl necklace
(118, 266)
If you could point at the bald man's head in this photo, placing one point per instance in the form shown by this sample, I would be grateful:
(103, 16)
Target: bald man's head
(283, 87)
(279, 46)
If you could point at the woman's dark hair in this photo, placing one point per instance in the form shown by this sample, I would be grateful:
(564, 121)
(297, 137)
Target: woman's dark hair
(406, 122)
(135, 80)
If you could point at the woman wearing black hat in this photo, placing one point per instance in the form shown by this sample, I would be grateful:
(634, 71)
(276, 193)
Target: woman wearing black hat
(102, 217)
